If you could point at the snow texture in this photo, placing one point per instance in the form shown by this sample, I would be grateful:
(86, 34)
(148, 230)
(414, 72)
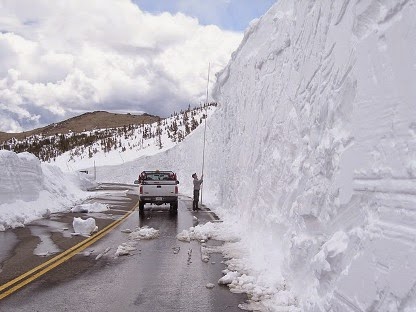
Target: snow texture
(138, 234)
(144, 232)
(125, 249)
(84, 227)
(311, 154)
(90, 207)
(30, 190)
(203, 232)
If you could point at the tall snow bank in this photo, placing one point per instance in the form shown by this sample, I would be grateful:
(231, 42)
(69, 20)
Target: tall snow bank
(312, 152)
(322, 95)
(30, 190)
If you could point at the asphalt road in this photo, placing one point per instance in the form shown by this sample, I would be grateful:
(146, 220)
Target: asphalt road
(162, 274)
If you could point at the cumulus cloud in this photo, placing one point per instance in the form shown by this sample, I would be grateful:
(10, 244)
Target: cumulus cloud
(62, 58)
(228, 14)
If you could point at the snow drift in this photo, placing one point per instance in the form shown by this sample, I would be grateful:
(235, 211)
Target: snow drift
(30, 190)
(312, 152)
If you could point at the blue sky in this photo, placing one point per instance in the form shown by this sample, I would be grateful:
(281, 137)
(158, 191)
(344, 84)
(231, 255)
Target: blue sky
(227, 14)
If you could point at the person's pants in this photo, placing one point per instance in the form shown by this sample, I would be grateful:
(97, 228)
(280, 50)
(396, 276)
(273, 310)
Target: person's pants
(196, 200)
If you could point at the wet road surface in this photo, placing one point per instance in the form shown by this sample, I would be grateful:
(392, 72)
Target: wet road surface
(162, 274)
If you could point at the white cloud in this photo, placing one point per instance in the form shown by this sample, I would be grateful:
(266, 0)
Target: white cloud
(60, 58)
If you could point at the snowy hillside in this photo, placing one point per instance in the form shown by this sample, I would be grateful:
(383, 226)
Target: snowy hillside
(311, 154)
(76, 151)
(129, 143)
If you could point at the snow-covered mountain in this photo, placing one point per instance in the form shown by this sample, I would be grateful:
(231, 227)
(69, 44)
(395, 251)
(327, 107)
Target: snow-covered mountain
(311, 154)
(74, 151)
(123, 144)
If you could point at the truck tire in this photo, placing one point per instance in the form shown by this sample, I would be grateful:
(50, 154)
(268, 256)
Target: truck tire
(141, 206)
(174, 206)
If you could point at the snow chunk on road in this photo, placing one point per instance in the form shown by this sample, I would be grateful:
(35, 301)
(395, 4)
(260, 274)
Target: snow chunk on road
(139, 233)
(184, 236)
(210, 285)
(228, 278)
(125, 249)
(90, 207)
(84, 227)
(206, 231)
(144, 232)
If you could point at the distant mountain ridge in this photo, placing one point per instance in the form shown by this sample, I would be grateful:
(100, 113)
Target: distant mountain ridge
(92, 136)
(85, 122)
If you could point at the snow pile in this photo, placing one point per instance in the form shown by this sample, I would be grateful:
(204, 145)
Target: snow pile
(30, 190)
(125, 249)
(90, 207)
(144, 232)
(85, 181)
(21, 177)
(237, 275)
(84, 227)
(184, 236)
(139, 233)
(209, 230)
(312, 153)
(261, 298)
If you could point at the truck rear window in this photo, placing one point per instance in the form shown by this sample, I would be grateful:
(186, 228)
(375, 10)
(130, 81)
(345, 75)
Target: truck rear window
(157, 176)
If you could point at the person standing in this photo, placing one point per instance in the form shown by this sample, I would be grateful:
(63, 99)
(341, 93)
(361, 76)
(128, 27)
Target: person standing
(197, 187)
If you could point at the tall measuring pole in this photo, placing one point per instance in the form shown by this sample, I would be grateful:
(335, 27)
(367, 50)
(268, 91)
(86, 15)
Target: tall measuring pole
(205, 130)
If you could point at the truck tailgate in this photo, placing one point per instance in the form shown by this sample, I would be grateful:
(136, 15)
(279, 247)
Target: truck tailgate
(159, 189)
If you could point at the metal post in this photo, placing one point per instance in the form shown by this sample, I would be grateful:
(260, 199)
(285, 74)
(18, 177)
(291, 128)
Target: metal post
(205, 130)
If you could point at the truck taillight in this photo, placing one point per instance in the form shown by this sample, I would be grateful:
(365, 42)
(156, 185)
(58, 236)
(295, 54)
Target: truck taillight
(176, 189)
(141, 189)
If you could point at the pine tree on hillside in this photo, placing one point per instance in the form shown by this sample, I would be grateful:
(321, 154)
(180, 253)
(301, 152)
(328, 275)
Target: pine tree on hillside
(159, 134)
(180, 136)
(187, 129)
(174, 129)
(194, 123)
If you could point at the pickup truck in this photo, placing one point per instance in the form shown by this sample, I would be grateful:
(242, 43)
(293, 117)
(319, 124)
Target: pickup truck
(158, 187)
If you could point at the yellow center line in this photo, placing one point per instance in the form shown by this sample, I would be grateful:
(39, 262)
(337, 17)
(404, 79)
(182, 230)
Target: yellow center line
(59, 259)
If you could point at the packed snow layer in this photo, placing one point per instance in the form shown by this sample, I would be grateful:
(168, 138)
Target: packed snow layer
(30, 190)
(312, 153)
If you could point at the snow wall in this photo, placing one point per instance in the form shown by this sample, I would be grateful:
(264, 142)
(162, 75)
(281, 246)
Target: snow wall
(312, 152)
(30, 190)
